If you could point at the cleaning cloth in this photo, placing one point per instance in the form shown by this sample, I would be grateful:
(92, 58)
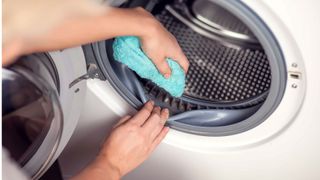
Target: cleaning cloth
(126, 49)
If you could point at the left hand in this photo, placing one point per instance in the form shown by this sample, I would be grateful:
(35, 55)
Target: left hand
(131, 142)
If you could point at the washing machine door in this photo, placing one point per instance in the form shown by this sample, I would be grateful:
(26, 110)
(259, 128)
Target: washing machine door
(32, 118)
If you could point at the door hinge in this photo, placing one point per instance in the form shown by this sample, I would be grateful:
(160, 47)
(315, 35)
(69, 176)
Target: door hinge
(92, 73)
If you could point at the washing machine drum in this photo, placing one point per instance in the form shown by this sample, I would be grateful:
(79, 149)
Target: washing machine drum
(31, 115)
(232, 78)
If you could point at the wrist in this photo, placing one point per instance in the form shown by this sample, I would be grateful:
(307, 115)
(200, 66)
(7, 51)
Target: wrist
(148, 24)
(99, 169)
(104, 165)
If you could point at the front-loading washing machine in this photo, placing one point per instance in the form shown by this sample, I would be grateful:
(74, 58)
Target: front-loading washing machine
(249, 110)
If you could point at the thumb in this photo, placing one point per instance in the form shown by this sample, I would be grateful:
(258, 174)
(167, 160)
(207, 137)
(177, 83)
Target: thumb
(164, 68)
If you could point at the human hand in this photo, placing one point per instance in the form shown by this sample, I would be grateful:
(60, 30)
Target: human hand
(133, 139)
(159, 44)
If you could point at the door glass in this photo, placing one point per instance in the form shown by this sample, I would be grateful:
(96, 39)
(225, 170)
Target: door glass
(27, 114)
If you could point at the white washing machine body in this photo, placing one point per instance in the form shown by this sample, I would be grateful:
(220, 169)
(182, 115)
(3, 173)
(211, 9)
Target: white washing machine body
(70, 65)
(284, 146)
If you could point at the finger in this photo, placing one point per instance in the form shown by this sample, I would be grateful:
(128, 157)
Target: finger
(159, 138)
(183, 61)
(164, 115)
(122, 121)
(156, 110)
(154, 116)
(150, 124)
(163, 67)
(141, 116)
(155, 123)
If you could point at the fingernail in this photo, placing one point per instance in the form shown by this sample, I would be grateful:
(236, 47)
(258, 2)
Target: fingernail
(166, 75)
(166, 111)
(151, 102)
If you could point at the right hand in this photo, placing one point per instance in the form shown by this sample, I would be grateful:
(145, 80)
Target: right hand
(158, 44)
(134, 138)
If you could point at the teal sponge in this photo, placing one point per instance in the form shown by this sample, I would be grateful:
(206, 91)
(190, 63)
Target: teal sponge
(127, 50)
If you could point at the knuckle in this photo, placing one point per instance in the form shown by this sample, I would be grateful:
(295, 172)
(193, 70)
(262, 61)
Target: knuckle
(156, 108)
(133, 127)
(187, 62)
(146, 109)
(164, 117)
(155, 115)
(148, 106)
(139, 9)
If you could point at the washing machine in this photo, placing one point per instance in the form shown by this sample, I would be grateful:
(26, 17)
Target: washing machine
(249, 110)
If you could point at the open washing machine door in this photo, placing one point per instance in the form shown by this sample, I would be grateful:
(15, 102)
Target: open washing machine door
(35, 117)
(32, 118)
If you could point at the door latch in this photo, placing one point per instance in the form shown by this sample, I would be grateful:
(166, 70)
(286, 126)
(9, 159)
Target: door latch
(91, 74)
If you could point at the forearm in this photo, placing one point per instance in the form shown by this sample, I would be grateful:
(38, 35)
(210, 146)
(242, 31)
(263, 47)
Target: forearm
(114, 22)
(100, 169)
